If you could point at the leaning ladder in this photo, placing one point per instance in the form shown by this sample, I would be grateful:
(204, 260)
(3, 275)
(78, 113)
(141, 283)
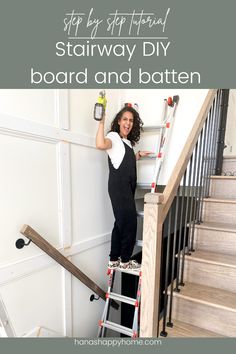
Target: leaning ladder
(104, 323)
(168, 113)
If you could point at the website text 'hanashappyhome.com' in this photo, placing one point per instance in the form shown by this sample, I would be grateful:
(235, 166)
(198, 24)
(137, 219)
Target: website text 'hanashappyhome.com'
(117, 342)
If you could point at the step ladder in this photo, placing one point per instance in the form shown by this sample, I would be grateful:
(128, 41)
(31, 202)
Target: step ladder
(168, 113)
(104, 323)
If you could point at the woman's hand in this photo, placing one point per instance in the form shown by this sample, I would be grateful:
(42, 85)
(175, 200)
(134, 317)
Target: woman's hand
(141, 154)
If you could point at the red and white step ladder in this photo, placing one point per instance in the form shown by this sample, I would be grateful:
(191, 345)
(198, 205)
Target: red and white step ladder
(168, 113)
(104, 323)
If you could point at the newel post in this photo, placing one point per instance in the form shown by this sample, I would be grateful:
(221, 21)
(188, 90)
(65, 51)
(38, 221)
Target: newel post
(151, 263)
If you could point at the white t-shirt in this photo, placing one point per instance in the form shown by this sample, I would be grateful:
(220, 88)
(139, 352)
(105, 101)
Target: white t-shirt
(117, 152)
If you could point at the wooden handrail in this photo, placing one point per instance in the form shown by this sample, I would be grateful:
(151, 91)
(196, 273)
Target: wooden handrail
(181, 165)
(45, 246)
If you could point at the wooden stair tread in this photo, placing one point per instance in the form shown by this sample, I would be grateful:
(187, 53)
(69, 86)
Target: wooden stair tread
(213, 258)
(220, 200)
(183, 329)
(220, 226)
(203, 294)
(229, 157)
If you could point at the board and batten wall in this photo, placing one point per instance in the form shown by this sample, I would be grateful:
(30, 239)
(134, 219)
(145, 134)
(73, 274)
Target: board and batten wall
(55, 180)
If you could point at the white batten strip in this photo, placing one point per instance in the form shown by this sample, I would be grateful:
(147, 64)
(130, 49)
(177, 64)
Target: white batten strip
(19, 127)
(62, 109)
(64, 193)
(67, 303)
(65, 204)
(65, 228)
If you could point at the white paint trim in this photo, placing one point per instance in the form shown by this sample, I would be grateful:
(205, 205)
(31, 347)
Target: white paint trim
(67, 303)
(65, 206)
(19, 127)
(25, 267)
(64, 193)
(62, 109)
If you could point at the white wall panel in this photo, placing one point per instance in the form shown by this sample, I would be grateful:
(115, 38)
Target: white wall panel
(35, 301)
(91, 207)
(28, 190)
(35, 105)
(82, 103)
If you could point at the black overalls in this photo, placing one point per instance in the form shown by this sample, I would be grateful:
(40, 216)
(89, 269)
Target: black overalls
(121, 188)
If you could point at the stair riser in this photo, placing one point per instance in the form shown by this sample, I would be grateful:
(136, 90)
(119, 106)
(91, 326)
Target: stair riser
(215, 241)
(214, 275)
(205, 316)
(219, 212)
(229, 165)
(223, 188)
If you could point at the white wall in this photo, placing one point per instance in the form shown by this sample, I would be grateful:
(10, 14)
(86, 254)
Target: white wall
(150, 107)
(54, 179)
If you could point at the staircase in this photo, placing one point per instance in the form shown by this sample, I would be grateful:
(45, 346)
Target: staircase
(206, 304)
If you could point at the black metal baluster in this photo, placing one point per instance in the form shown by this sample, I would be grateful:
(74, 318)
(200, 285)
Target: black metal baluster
(198, 179)
(202, 195)
(170, 323)
(201, 174)
(211, 167)
(163, 332)
(186, 220)
(194, 178)
(208, 172)
(180, 232)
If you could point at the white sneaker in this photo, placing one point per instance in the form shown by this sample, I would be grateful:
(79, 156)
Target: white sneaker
(134, 265)
(113, 264)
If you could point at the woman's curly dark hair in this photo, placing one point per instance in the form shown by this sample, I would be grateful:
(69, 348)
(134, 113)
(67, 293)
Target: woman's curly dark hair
(134, 134)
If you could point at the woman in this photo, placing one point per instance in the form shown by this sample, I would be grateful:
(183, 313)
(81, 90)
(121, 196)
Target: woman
(119, 142)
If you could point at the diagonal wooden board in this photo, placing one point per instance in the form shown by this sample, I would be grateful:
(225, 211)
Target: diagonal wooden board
(45, 246)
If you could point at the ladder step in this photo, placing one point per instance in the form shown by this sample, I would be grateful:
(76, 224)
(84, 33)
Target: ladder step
(118, 328)
(122, 298)
(129, 271)
(144, 185)
(150, 128)
(140, 213)
(139, 243)
(148, 157)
